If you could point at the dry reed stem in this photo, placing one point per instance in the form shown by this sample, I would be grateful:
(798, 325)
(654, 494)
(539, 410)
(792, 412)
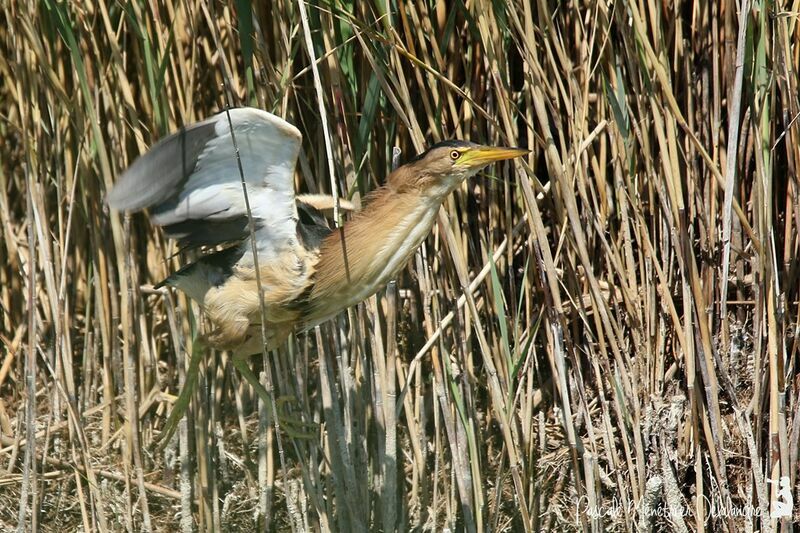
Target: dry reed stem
(612, 322)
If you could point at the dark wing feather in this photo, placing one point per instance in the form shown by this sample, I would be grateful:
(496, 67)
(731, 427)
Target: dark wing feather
(159, 175)
(312, 226)
(195, 233)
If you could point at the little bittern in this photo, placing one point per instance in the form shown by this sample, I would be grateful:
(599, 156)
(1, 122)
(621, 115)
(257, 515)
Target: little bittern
(191, 183)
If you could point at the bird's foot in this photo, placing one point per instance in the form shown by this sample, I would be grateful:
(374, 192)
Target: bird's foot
(291, 424)
(182, 403)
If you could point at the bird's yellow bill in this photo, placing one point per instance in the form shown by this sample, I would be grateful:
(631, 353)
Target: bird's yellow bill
(484, 155)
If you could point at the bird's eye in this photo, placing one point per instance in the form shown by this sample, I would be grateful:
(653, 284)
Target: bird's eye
(455, 154)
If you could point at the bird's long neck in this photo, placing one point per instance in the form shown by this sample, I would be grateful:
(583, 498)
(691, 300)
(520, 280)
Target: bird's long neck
(368, 251)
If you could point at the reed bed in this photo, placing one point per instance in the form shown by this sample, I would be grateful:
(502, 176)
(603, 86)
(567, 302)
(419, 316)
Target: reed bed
(592, 335)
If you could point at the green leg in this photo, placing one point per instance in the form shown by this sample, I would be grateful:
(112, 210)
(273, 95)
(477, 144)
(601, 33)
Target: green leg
(292, 426)
(182, 403)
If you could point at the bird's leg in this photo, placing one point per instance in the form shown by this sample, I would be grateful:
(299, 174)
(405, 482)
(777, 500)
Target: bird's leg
(293, 426)
(185, 396)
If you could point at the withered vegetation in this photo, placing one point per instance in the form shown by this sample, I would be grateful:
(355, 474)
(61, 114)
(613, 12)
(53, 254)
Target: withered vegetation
(591, 335)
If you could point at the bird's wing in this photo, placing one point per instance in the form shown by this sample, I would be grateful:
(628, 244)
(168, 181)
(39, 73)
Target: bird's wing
(191, 181)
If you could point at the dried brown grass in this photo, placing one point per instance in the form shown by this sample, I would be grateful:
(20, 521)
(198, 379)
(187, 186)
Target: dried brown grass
(610, 324)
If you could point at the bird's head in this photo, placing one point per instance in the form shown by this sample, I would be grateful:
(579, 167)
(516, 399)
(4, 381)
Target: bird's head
(439, 170)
